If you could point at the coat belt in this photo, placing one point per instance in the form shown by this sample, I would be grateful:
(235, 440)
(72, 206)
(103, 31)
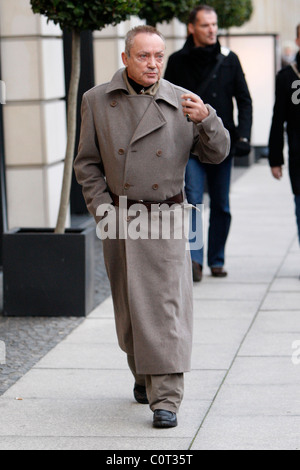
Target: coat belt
(178, 199)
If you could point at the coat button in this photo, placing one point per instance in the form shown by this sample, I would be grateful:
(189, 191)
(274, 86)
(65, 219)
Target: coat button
(126, 186)
(121, 151)
(159, 153)
(114, 103)
(155, 187)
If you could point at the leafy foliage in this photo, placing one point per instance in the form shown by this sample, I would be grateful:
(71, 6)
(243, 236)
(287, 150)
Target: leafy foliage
(86, 15)
(230, 12)
(157, 11)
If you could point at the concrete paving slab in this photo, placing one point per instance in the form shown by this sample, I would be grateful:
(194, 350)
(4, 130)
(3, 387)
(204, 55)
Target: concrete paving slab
(219, 290)
(276, 321)
(264, 371)
(285, 284)
(257, 400)
(272, 334)
(291, 266)
(93, 443)
(95, 330)
(282, 301)
(101, 385)
(90, 418)
(104, 310)
(212, 356)
(220, 331)
(215, 308)
(269, 344)
(249, 433)
(252, 269)
(82, 355)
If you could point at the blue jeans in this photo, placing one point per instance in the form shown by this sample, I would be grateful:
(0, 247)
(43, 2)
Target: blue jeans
(218, 180)
(297, 202)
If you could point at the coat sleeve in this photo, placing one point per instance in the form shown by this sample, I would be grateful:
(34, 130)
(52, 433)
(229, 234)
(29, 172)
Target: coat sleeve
(243, 100)
(276, 140)
(211, 139)
(88, 164)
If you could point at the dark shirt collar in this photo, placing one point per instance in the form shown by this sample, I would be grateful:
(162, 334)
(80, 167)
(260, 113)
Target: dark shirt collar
(136, 86)
(166, 91)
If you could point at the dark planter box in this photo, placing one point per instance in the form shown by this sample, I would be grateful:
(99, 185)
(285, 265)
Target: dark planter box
(45, 274)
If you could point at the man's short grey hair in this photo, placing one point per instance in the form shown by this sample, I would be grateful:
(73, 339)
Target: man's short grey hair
(137, 30)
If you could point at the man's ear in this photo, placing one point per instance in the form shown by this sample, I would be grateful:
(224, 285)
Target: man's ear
(124, 59)
(191, 29)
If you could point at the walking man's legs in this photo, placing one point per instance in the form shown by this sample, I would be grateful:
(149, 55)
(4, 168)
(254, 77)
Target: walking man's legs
(194, 188)
(218, 179)
(163, 393)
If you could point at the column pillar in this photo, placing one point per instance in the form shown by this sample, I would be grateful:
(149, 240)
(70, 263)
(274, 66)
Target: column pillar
(34, 115)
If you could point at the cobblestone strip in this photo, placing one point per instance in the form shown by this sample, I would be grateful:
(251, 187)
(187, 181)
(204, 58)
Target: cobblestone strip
(28, 339)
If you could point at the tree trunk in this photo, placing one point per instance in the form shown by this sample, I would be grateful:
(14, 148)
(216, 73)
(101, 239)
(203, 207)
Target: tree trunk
(71, 135)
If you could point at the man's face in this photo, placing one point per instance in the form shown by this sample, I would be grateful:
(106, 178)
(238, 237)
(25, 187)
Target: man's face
(205, 29)
(146, 59)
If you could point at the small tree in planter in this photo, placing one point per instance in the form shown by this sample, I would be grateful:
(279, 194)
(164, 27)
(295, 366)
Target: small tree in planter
(77, 16)
(46, 273)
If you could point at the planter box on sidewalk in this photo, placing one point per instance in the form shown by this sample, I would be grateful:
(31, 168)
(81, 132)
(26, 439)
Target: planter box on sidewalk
(46, 274)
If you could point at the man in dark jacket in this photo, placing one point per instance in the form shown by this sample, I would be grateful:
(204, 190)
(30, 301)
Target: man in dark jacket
(216, 75)
(287, 111)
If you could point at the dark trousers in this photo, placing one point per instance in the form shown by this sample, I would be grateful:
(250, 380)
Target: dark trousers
(297, 203)
(218, 179)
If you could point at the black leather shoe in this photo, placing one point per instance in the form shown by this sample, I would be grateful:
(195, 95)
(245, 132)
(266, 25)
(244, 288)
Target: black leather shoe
(140, 394)
(197, 272)
(218, 272)
(164, 419)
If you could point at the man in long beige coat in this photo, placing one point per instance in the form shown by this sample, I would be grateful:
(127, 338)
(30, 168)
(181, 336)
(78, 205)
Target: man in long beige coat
(136, 137)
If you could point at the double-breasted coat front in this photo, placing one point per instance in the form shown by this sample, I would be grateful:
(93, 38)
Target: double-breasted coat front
(138, 146)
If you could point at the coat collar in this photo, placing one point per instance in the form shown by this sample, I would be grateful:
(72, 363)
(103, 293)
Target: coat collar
(166, 91)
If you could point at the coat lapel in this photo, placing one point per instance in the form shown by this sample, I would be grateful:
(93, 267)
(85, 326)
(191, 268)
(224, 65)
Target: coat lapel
(153, 118)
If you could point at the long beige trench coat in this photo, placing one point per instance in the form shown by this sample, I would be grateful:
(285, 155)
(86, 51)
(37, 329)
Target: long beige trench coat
(138, 146)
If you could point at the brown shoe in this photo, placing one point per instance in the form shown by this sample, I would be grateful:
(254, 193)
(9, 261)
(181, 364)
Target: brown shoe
(197, 272)
(218, 272)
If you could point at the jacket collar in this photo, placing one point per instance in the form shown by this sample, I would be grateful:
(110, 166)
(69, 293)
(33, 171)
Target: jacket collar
(166, 91)
(189, 46)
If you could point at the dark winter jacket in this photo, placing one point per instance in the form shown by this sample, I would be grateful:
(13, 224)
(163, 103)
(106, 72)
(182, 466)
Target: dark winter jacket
(191, 66)
(287, 112)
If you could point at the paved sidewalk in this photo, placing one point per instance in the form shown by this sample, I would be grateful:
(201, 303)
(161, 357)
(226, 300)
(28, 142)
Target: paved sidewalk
(243, 391)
